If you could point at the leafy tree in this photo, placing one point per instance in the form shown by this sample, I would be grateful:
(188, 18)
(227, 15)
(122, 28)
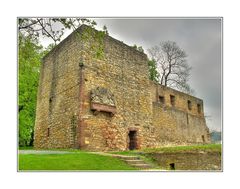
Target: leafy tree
(29, 59)
(172, 65)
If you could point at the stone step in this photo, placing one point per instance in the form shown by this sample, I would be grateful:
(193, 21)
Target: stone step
(129, 157)
(142, 166)
(133, 161)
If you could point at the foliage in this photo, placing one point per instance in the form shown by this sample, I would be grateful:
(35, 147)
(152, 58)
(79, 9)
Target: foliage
(153, 73)
(95, 39)
(30, 54)
(152, 65)
(72, 161)
(139, 48)
(172, 65)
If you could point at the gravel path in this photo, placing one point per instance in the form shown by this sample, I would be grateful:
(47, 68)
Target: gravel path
(43, 152)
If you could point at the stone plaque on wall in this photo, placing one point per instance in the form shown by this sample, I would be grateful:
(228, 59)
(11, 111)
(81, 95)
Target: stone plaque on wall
(102, 100)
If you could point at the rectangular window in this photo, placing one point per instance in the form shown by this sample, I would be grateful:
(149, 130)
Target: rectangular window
(199, 108)
(161, 99)
(172, 100)
(189, 105)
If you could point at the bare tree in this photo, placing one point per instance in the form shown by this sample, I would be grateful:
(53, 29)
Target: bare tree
(172, 65)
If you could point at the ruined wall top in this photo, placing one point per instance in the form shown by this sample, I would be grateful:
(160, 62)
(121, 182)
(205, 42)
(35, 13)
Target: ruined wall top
(171, 98)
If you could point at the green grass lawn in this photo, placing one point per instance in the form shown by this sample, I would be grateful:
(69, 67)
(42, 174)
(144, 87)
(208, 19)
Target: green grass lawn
(80, 160)
(74, 161)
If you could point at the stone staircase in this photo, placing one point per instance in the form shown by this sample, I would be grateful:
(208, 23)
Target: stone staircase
(134, 161)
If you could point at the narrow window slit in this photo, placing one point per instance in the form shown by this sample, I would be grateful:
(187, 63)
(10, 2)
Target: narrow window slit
(48, 132)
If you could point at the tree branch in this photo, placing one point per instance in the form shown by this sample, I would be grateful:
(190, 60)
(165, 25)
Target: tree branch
(27, 26)
(43, 27)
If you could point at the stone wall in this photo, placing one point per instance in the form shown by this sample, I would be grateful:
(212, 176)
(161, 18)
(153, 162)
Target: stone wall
(188, 160)
(179, 123)
(58, 96)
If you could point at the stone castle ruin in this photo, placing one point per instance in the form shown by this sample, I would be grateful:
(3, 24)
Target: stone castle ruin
(109, 103)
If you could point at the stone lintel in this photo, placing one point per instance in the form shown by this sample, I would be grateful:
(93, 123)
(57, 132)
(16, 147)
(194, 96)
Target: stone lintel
(103, 108)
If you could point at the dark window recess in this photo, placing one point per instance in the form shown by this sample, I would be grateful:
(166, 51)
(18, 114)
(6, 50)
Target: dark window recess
(203, 138)
(172, 166)
(199, 108)
(48, 132)
(172, 100)
(162, 99)
(189, 105)
(187, 119)
(50, 99)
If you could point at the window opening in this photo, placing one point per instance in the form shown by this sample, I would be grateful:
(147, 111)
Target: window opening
(172, 100)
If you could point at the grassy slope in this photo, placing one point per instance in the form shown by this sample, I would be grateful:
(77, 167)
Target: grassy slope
(75, 161)
(142, 153)
(205, 147)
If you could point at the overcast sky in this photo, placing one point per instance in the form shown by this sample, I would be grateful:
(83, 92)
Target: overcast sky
(200, 38)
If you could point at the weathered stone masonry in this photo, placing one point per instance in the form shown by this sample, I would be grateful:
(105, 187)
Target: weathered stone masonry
(110, 103)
